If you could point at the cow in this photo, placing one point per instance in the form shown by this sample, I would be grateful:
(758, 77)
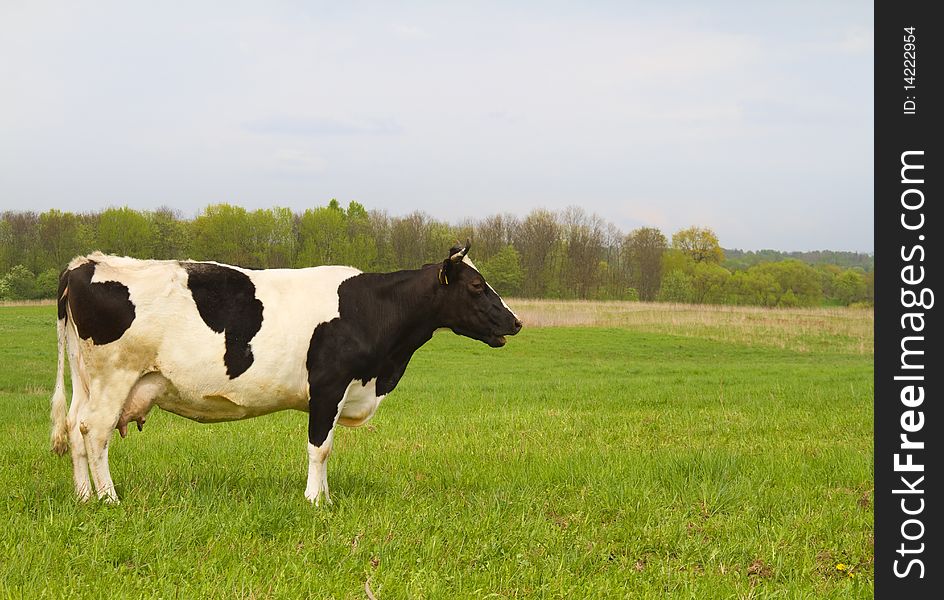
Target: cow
(213, 342)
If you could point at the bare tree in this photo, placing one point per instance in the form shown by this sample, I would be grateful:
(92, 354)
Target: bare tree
(584, 236)
(537, 238)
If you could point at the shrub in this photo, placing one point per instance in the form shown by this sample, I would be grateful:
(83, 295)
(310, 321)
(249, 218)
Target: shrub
(18, 284)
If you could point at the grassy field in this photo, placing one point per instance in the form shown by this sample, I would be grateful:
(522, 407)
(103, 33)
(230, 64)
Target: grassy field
(722, 454)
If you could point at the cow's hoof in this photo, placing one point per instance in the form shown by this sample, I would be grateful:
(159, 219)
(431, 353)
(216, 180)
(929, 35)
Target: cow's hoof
(316, 497)
(83, 494)
(109, 497)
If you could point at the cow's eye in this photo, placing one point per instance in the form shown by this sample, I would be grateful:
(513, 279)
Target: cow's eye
(477, 287)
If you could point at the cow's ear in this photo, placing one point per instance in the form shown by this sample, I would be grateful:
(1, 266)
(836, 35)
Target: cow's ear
(445, 272)
(456, 254)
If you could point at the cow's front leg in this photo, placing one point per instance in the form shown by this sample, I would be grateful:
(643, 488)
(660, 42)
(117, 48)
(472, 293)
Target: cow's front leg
(324, 407)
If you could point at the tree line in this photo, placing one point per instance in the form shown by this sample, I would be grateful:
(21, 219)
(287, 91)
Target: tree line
(565, 254)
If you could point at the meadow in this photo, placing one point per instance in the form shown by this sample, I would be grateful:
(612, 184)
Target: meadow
(610, 450)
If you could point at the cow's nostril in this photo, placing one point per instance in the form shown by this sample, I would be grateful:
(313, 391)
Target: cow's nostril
(518, 325)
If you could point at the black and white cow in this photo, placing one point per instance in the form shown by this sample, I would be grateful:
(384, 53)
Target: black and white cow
(213, 342)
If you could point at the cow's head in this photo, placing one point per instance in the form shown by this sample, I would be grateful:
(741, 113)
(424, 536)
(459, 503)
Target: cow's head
(471, 307)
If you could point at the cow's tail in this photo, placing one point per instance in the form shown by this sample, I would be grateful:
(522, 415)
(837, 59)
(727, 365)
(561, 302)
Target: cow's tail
(57, 406)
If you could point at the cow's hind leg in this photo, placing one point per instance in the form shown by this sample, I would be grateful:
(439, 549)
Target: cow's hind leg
(325, 405)
(80, 466)
(97, 424)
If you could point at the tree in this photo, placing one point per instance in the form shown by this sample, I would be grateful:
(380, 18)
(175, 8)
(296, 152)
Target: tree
(220, 233)
(47, 284)
(492, 234)
(18, 284)
(699, 243)
(709, 283)
(59, 237)
(322, 234)
(850, 287)
(676, 287)
(538, 239)
(169, 234)
(645, 247)
(417, 239)
(752, 288)
(503, 271)
(437, 239)
(271, 241)
(362, 246)
(6, 245)
(800, 280)
(583, 236)
(869, 281)
(614, 271)
(125, 232)
(378, 227)
(22, 236)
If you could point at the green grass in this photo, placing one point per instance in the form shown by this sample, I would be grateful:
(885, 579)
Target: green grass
(573, 463)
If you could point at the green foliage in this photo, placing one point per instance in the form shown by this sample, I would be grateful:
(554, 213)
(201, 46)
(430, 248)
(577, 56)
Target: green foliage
(47, 284)
(550, 276)
(6, 245)
(709, 282)
(170, 235)
(125, 232)
(850, 286)
(800, 283)
(676, 260)
(645, 248)
(18, 284)
(538, 239)
(699, 243)
(59, 235)
(503, 271)
(363, 242)
(220, 233)
(740, 259)
(322, 236)
(753, 288)
(271, 237)
(677, 286)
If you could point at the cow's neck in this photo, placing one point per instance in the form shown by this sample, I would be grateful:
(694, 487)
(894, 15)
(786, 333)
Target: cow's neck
(401, 308)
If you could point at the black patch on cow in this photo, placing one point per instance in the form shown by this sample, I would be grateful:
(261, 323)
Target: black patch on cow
(102, 311)
(375, 336)
(226, 300)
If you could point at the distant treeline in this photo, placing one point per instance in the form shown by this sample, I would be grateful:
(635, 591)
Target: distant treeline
(741, 259)
(566, 254)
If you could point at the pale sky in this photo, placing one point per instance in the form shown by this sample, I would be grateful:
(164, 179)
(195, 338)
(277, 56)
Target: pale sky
(746, 117)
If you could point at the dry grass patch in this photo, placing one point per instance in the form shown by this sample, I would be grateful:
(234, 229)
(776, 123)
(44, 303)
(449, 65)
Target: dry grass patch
(26, 302)
(836, 329)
